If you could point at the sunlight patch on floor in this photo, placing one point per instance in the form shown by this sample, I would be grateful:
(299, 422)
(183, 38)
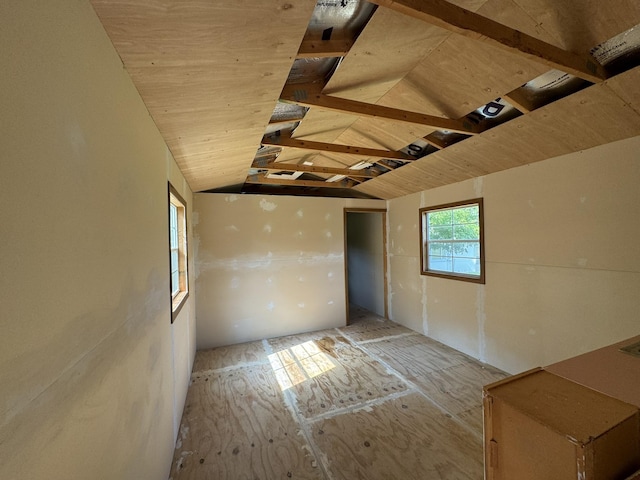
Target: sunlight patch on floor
(299, 363)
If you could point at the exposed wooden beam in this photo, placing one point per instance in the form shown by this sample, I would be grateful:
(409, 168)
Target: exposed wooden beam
(384, 165)
(469, 24)
(324, 48)
(263, 180)
(434, 142)
(269, 156)
(357, 180)
(310, 95)
(519, 101)
(285, 141)
(288, 120)
(313, 169)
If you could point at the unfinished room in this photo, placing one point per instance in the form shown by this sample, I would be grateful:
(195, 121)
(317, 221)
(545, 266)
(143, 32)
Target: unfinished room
(320, 239)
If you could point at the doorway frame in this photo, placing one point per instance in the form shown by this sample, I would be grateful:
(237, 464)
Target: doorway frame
(385, 275)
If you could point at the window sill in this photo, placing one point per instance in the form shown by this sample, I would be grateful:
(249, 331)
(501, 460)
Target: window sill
(177, 303)
(451, 276)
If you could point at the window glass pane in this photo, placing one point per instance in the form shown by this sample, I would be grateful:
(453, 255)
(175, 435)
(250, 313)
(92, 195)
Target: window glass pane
(175, 266)
(466, 215)
(466, 232)
(469, 266)
(173, 235)
(440, 233)
(173, 215)
(443, 264)
(467, 249)
(175, 282)
(173, 226)
(442, 217)
(441, 249)
(175, 272)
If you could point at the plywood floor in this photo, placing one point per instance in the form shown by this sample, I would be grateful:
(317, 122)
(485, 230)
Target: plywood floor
(372, 400)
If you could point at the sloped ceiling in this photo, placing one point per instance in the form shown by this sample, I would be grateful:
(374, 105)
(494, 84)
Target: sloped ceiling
(211, 74)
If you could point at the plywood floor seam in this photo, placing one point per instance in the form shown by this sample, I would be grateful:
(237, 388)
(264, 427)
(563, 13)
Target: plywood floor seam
(390, 337)
(414, 388)
(373, 400)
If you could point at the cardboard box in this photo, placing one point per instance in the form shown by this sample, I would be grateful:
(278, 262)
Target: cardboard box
(610, 370)
(540, 426)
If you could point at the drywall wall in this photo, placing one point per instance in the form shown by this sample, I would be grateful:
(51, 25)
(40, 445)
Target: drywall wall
(365, 260)
(562, 261)
(92, 373)
(268, 266)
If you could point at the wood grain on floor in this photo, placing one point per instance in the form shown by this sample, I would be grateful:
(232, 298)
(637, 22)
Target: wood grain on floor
(373, 400)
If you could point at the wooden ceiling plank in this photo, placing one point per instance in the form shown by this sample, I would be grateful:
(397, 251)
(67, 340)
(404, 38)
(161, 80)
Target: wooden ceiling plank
(580, 25)
(263, 180)
(389, 47)
(599, 115)
(627, 87)
(294, 167)
(377, 191)
(209, 73)
(457, 77)
(382, 133)
(334, 148)
(464, 22)
(372, 66)
(308, 95)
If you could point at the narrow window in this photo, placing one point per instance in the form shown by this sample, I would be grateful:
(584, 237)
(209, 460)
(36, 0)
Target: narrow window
(452, 241)
(178, 251)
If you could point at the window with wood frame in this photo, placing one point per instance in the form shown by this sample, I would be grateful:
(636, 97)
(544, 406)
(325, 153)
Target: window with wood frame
(452, 241)
(178, 251)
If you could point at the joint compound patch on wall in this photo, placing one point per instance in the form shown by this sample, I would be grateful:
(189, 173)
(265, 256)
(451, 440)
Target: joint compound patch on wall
(481, 317)
(231, 198)
(267, 206)
(425, 313)
(478, 186)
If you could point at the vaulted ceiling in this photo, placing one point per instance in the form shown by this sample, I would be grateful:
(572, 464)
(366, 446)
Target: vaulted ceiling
(270, 96)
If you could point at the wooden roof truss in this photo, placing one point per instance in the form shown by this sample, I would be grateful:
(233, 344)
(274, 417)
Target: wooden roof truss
(413, 95)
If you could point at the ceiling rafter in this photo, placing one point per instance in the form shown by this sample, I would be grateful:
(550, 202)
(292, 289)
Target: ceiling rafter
(519, 101)
(313, 169)
(276, 121)
(310, 95)
(285, 141)
(469, 24)
(434, 142)
(262, 179)
(324, 48)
